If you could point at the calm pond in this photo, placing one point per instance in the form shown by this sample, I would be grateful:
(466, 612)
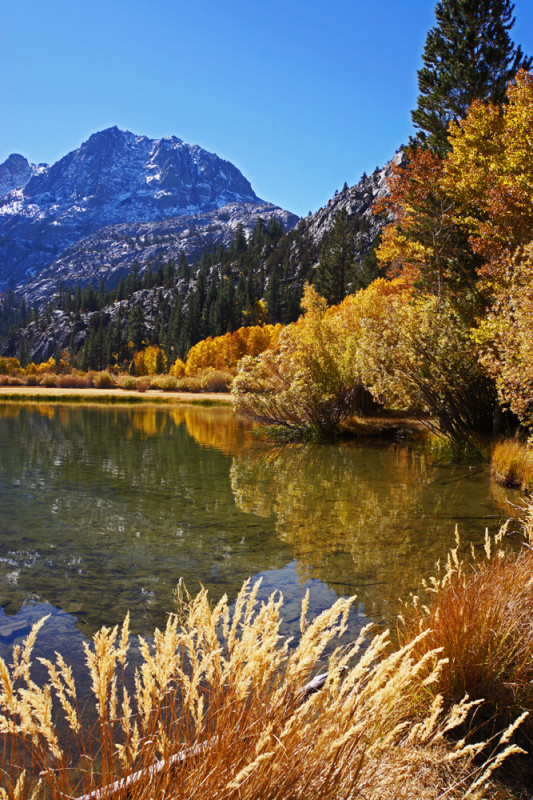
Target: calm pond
(102, 510)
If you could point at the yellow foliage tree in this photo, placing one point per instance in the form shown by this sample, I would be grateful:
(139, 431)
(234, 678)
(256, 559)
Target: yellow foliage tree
(490, 173)
(8, 366)
(225, 352)
(309, 380)
(150, 361)
(178, 368)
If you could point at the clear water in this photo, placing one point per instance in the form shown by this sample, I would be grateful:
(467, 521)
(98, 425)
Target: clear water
(102, 510)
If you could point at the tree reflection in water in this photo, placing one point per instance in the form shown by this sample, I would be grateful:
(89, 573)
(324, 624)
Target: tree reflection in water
(365, 520)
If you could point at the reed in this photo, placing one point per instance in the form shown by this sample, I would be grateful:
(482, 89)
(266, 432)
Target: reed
(512, 464)
(217, 711)
(479, 614)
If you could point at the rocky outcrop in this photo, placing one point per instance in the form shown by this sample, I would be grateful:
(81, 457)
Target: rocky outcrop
(357, 200)
(16, 172)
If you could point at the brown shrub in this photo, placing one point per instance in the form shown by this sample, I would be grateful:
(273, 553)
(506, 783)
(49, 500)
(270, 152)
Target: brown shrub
(216, 380)
(72, 381)
(11, 380)
(143, 384)
(48, 379)
(103, 380)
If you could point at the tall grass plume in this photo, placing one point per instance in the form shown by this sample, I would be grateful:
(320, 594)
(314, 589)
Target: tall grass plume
(218, 710)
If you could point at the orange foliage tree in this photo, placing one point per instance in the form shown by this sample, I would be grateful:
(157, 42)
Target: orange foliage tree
(424, 242)
(225, 352)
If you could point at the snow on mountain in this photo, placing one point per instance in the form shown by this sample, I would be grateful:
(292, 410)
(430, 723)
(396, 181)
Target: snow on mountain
(114, 178)
(16, 172)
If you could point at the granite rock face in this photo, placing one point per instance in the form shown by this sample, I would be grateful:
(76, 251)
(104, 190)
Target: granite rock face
(16, 172)
(114, 178)
(357, 200)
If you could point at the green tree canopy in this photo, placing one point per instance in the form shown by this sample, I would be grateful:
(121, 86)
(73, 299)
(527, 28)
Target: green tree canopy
(468, 55)
(337, 260)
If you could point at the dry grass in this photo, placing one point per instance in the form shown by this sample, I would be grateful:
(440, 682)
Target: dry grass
(103, 380)
(224, 689)
(480, 615)
(512, 464)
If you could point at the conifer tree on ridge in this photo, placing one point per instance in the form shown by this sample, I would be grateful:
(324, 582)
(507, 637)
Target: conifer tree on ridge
(468, 55)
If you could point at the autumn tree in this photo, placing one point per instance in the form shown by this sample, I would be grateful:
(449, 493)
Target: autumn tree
(150, 361)
(507, 337)
(307, 382)
(424, 242)
(225, 352)
(489, 172)
(468, 55)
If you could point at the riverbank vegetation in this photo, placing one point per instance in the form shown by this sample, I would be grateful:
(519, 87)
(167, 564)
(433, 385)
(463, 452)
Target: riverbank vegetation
(448, 332)
(478, 614)
(222, 706)
(210, 366)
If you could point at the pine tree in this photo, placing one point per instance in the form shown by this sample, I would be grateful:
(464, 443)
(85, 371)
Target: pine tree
(183, 267)
(468, 55)
(337, 258)
(135, 326)
(272, 296)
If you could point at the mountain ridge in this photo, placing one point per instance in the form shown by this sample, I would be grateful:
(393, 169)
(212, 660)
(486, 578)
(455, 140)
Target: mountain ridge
(114, 177)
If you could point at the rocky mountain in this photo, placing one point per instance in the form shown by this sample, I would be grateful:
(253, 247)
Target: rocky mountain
(16, 172)
(357, 201)
(111, 252)
(284, 261)
(115, 178)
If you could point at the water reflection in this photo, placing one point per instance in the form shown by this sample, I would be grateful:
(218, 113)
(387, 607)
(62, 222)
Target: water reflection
(364, 520)
(103, 509)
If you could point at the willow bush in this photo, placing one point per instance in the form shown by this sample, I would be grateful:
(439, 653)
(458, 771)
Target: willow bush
(414, 351)
(309, 380)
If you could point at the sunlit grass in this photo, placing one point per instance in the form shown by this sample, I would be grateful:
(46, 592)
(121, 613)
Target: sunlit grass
(480, 615)
(512, 464)
(217, 711)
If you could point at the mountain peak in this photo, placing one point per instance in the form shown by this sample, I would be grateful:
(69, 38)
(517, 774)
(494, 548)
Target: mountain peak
(16, 171)
(115, 177)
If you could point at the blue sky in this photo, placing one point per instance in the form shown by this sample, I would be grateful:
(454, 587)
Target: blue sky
(301, 96)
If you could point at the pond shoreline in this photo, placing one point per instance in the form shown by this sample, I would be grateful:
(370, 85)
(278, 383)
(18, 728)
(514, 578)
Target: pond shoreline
(25, 394)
